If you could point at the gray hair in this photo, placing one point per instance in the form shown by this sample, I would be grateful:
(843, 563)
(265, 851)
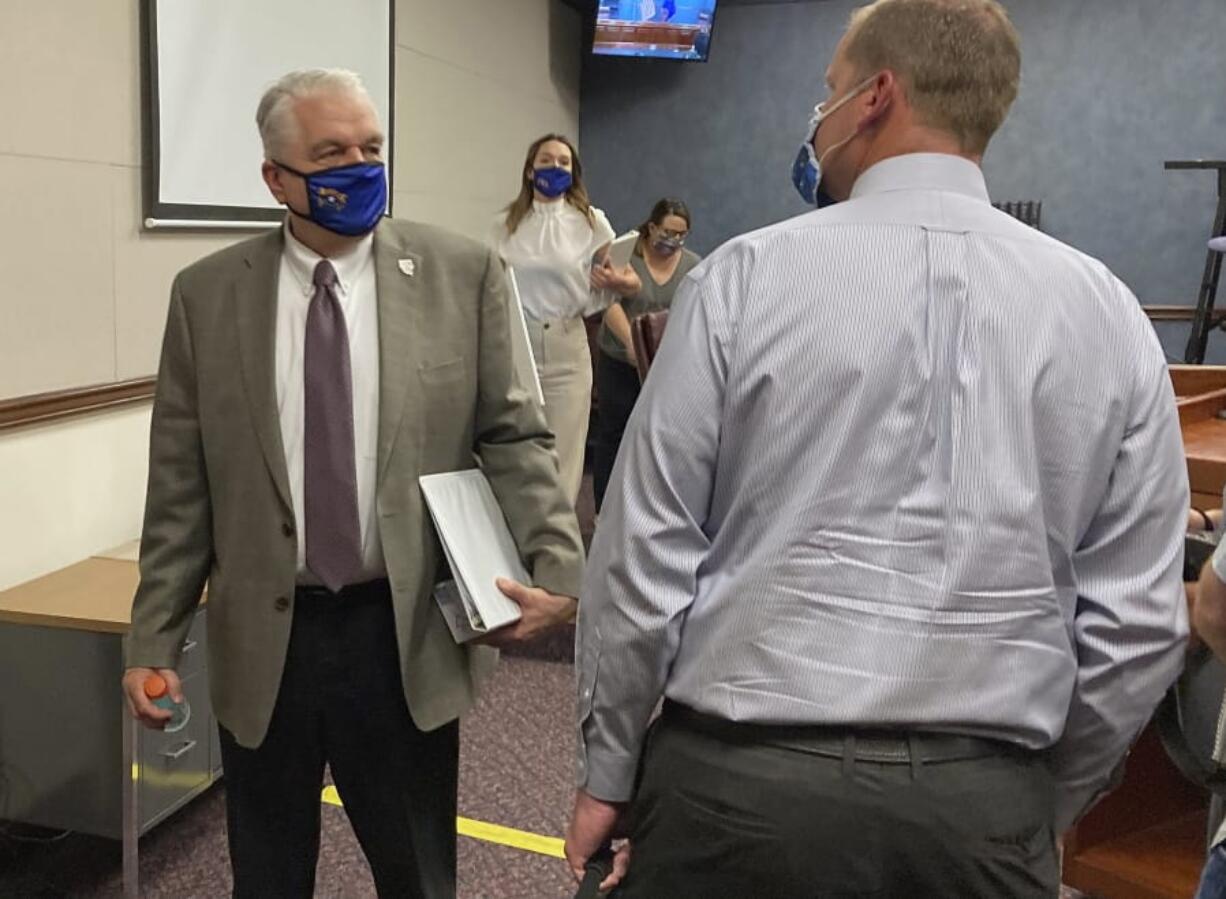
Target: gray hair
(274, 116)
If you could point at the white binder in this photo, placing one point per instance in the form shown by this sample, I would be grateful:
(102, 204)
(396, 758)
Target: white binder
(479, 549)
(521, 346)
(622, 249)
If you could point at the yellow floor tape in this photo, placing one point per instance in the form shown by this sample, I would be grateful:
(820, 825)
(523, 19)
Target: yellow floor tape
(489, 833)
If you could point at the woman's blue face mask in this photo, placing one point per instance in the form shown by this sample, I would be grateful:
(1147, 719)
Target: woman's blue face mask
(552, 181)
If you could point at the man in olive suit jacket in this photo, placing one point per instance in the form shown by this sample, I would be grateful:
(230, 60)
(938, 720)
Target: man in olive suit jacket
(308, 378)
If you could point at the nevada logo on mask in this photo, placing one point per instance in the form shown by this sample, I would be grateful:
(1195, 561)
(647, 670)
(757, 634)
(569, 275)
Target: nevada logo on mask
(333, 199)
(347, 199)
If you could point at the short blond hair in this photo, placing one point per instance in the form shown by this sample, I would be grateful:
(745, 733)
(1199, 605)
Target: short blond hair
(959, 61)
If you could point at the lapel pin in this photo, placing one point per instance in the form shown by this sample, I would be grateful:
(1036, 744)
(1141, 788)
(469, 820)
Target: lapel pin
(408, 266)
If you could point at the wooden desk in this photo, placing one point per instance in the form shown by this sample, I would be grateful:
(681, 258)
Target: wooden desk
(1201, 394)
(73, 757)
(94, 595)
(1146, 840)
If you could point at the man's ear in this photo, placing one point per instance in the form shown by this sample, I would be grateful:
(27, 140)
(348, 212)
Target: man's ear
(272, 177)
(881, 96)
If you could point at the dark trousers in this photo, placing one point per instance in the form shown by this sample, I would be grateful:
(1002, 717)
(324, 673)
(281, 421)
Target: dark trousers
(341, 703)
(1213, 877)
(617, 386)
(719, 814)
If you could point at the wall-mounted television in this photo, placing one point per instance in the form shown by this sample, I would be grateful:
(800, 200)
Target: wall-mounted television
(664, 29)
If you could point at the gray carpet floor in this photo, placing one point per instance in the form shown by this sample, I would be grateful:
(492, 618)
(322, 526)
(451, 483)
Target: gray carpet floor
(516, 766)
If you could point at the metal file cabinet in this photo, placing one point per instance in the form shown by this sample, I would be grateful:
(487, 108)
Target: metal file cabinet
(71, 757)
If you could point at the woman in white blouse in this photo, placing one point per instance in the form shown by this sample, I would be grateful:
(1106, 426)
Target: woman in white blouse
(551, 235)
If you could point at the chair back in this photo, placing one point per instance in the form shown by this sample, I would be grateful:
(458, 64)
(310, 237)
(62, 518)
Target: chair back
(1029, 212)
(647, 331)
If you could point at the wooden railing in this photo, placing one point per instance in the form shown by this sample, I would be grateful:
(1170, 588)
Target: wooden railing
(43, 407)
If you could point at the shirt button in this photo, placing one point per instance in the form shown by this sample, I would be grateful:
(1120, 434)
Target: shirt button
(287, 529)
(281, 604)
(545, 327)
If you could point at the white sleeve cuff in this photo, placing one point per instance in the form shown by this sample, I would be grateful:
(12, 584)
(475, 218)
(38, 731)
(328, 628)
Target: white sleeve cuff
(1218, 561)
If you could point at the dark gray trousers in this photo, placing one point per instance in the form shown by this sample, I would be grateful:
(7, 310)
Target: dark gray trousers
(729, 814)
(341, 703)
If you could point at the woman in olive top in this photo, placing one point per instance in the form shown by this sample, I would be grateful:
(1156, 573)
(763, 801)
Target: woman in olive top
(661, 262)
(555, 239)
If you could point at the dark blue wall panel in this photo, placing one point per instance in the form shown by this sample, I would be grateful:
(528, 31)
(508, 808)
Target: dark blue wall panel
(1111, 89)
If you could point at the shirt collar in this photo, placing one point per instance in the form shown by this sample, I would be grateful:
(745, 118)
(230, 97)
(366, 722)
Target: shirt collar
(557, 207)
(923, 171)
(302, 261)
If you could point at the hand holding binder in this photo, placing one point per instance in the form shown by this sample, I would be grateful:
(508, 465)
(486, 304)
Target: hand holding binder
(540, 611)
(491, 598)
(479, 550)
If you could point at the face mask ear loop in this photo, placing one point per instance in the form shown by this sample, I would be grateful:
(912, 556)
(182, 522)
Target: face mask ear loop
(863, 127)
(860, 128)
(821, 160)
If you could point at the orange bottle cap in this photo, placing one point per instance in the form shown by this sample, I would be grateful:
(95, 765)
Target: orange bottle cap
(155, 686)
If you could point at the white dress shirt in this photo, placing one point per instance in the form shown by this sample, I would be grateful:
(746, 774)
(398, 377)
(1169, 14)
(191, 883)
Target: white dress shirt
(902, 462)
(551, 252)
(355, 288)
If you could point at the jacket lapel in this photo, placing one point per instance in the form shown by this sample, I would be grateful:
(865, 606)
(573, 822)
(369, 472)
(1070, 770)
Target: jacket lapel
(400, 297)
(255, 297)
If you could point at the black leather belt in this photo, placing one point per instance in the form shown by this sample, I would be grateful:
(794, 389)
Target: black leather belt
(889, 747)
(376, 589)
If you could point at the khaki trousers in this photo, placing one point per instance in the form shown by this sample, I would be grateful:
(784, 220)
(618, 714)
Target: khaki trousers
(564, 365)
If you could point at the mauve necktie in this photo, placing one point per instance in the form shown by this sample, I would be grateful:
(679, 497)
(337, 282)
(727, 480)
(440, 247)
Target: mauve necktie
(333, 535)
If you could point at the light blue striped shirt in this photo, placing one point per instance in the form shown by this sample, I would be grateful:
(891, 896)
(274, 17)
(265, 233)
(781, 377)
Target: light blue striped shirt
(902, 462)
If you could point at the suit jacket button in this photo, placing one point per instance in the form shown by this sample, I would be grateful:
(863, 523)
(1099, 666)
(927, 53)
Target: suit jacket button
(282, 603)
(287, 529)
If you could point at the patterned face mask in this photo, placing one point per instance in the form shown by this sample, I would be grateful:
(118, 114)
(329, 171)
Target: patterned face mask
(807, 169)
(347, 199)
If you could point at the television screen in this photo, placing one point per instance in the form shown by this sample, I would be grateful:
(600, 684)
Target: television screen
(667, 29)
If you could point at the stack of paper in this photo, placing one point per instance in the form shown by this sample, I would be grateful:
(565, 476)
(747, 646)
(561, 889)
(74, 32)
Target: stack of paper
(479, 549)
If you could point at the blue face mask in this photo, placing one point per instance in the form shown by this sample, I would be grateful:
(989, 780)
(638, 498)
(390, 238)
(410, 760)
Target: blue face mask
(348, 199)
(807, 169)
(552, 182)
(807, 173)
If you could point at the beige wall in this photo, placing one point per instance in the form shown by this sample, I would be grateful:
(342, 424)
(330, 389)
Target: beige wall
(85, 291)
(69, 490)
(476, 82)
